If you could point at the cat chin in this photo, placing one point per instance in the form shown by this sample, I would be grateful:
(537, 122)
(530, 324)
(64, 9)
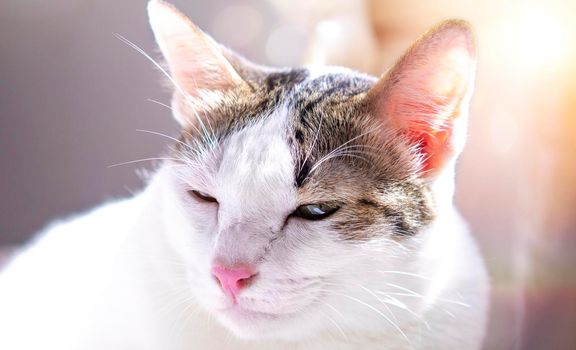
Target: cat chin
(252, 325)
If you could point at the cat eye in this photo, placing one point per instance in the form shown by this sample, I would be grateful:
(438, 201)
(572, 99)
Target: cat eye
(201, 196)
(315, 211)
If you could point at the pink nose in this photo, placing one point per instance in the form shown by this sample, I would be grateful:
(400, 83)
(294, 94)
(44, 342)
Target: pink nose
(233, 278)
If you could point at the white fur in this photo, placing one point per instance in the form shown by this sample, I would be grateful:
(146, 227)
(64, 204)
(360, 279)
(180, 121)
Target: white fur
(135, 274)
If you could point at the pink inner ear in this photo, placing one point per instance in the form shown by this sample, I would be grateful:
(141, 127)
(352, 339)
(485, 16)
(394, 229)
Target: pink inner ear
(435, 147)
(196, 62)
(428, 88)
(200, 67)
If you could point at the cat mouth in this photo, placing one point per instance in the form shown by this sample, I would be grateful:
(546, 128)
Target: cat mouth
(255, 324)
(271, 319)
(238, 312)
(241, 313)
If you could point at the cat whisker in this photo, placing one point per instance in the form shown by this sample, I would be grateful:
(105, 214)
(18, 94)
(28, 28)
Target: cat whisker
(175, 327)
(405, 274)
(313, 143)
(404, 289)
(345, 151)
(166, 136)
(210, 137)
(369, 291)
(176, 166)
(145, 258)
(159, 103)
(323, 159)
(149, 58)
(143, 160)
(213, 144)
(333, 308)
(214, 140)
(336, 156)
(358, 154)
(374, 248)
(366, 149)
(448, 301)
(157, 65)
(335, 324)
(404, 307)
(367, 305)
(390, 295)
(415, 294)
(185, 322)
(228, 341)
(395, 302)
(168, 280)
(179, 297)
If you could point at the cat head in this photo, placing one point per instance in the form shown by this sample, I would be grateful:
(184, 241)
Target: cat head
(303, 197)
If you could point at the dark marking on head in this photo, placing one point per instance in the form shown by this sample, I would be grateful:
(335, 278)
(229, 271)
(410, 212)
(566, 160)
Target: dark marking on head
(302, 174)
(299, 136)
(368, 202)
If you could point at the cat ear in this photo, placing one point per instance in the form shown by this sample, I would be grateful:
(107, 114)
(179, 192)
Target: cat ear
(426, 94)
(198, 67)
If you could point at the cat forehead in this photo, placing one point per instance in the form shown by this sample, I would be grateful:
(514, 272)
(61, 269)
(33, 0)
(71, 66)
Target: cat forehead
(328, 86)
(321, 111)
(257, 153)
(313, 110)
(303, 98)
(298, 91)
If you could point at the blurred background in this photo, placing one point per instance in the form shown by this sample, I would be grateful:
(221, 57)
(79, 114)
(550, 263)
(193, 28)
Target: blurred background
(73, 97)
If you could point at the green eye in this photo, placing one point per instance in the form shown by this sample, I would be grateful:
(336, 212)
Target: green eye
(315, 211)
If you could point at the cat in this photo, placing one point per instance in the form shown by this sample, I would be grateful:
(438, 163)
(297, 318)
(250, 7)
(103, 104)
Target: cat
(306, 208)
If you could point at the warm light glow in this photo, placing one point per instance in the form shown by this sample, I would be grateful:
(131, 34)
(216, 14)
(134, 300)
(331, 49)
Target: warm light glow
(327, 34)
(285, 45)
(227, 23)
(537, 38)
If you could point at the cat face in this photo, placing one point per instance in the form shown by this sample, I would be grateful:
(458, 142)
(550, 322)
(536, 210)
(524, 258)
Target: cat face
(302, 197)
(261, 171)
